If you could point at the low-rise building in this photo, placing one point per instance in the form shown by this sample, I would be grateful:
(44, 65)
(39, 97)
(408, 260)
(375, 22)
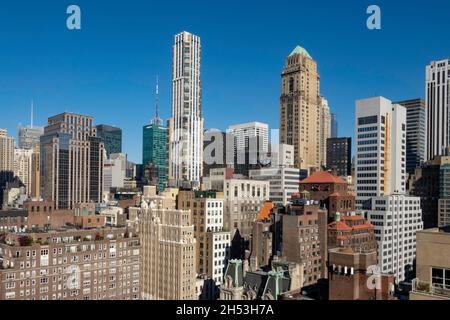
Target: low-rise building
(242, 284)
(354, 275)
(432, 265)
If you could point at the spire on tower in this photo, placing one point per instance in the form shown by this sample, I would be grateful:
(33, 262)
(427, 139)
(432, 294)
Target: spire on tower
(157, 120)
(157, 97)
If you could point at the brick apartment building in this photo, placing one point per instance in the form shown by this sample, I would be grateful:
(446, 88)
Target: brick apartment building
(34, 214)
(70, 264)
(331, 192)
(352, 231)
(353, 271)
(353, 276)
(304, 233)
(43, 215)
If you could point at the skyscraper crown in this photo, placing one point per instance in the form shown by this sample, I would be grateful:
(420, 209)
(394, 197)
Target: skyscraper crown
(300, 50)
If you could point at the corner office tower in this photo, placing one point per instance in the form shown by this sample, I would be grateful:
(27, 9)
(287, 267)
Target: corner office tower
(380, 149)
(186, 123)
(71, 161)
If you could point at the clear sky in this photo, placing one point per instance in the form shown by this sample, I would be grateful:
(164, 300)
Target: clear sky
(108, 68)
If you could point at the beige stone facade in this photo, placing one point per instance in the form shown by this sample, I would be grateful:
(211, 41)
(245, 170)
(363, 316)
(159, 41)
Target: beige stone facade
(433, 266)
(212, 242)
(168, 254)
(23, 167)
(300, 109)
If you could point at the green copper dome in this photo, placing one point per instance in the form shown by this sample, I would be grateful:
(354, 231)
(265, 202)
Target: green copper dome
(301, 51)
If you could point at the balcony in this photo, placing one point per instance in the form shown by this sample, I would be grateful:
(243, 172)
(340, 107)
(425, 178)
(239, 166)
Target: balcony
(422, 290)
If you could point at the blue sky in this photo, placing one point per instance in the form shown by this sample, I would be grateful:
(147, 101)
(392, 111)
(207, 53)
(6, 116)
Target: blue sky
(108, 68)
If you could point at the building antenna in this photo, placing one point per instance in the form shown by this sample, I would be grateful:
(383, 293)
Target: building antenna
(156, 119)
(157, 97)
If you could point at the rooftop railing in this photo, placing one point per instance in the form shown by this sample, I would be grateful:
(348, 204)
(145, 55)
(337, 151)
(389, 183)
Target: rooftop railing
(432, 289)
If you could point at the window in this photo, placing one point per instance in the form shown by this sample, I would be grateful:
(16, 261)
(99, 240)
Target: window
(440, 277)
(367, 120)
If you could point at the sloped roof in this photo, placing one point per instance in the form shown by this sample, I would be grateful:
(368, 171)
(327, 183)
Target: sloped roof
(265, 211)
(300, 50)
(322, 177)
(339, 225)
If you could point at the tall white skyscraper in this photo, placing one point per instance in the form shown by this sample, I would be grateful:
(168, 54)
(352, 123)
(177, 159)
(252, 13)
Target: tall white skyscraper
(381, 183)
(437, 105)
(380, 149)
(186, 123)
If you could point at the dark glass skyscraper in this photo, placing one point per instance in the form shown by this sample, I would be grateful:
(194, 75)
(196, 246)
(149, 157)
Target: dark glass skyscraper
(155, 154)
(339, 153)
(154, 151)
(416, 133)
(112, 138)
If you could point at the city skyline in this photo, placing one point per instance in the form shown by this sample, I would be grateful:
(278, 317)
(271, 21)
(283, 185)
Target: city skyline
(191, 151)
(87, 81)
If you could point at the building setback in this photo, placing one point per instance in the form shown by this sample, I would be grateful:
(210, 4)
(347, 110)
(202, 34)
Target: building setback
(300, 108)
(380, 132)
(168, 254)
(186, 123)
